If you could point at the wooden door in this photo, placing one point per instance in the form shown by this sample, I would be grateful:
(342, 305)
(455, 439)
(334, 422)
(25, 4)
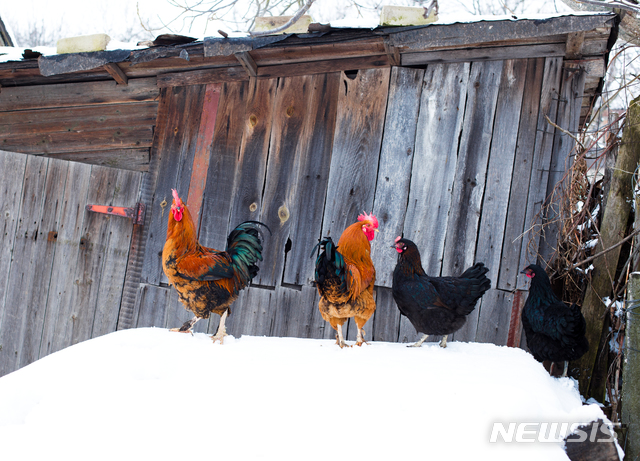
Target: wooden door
(62, 268)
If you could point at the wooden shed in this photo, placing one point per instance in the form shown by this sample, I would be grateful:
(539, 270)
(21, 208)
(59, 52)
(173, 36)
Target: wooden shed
(440, 130)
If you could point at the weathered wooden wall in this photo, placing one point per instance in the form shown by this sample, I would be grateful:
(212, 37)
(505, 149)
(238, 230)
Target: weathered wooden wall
(61, 267)
(99, 123)
(455, 156)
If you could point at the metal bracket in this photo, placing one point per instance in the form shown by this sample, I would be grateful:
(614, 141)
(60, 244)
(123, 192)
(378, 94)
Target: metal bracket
(136, 213)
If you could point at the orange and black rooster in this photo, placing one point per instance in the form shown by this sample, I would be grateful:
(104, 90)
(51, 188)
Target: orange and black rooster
(345, 276)
(208, 280)
(434, 305)
(554, 331)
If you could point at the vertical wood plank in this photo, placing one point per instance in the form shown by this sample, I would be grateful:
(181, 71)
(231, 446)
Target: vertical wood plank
(470, 180)
(386, 322)
(512, 244)
(254, 151)
(314, 154)
(496, 193)
(442, 108)
(356, 149)
(279, 201)
(94, 242)
(45, 249)
(296, 320)
(394, 173)
(202, 152)
(434, 161)
(495, 316)
(152, 302)
(225, 151)
(541, 164)
(251, 314)
(111, 282)
(17, 309)
(568, 118)
(60, 313)
(13, 166)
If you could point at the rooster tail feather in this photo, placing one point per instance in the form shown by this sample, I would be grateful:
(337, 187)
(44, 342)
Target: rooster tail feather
(244, 246)
(330, 264)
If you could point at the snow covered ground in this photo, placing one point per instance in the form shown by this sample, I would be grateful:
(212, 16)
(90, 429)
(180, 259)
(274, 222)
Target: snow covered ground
(149, 394)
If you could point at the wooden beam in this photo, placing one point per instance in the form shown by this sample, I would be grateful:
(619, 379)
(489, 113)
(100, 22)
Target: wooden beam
(203, 77)
(575, 40)
(117, 74)
(393, 53)
(484, 54)
(235, 74)
(248, 63)
(77, 94)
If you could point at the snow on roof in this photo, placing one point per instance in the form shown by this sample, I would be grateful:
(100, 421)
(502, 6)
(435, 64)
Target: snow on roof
(8, 54)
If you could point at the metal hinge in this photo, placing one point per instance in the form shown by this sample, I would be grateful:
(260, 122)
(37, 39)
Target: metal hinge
(136, 213)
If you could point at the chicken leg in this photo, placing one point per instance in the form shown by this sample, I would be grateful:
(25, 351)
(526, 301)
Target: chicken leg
(222, 331)
(419, 343)
(187, 326)
(443, 341)
(340, 338)
(360, 324)
(566, 368)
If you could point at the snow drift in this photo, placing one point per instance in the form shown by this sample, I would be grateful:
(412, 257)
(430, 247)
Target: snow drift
(153, 394)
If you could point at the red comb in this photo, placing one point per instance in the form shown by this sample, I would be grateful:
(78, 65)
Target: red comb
(368, 217)
(398, 238)
(175, 196)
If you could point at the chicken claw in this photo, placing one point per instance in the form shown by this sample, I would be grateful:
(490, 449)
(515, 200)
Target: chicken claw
(360, 339)
(186, 326)
(222, 331)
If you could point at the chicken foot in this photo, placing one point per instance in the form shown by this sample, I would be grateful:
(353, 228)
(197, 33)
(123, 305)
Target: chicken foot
(360, 338)
(340, 338)
(419, 343)
(222, 331)
(187, 326)
(443, 341)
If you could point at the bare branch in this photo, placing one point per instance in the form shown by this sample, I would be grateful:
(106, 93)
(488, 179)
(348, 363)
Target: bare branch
(622, 4)
(591, 258)
(286, 25)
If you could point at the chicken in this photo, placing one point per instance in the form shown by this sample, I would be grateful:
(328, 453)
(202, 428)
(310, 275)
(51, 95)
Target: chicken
(434, 305)
(345, 276)
(554, 331)
(208, 280)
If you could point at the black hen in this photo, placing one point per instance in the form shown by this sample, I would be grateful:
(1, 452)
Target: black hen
(435, 305)
(554, 331)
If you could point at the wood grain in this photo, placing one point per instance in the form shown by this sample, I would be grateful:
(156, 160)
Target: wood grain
(314, 155)
(514, 228)
(470, 179)
(394, 172)
(78, 94)
(356, 149)
(435, 158)
(497, 190)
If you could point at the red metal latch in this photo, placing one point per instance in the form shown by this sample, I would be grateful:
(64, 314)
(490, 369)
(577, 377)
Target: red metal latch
(136, 213)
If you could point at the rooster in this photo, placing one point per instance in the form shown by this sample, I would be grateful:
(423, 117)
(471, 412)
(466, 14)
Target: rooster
(434, 305)
(554, 331)
(345, 275)
(208, 280)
